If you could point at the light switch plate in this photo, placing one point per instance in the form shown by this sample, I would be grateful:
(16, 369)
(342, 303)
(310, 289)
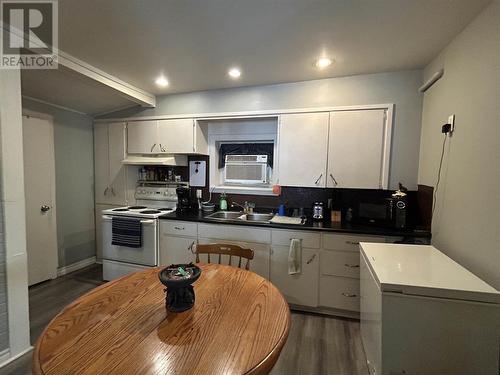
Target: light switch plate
(451, 121)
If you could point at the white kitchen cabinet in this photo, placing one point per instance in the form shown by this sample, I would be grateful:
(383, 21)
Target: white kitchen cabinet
(175, 250)
(176, 136)
(303, 147)
(98, 227)
(356, 149)
(110, 174)
(339, 292)
(142, 137)
(177, 241)
(299, 289)
(259, 264)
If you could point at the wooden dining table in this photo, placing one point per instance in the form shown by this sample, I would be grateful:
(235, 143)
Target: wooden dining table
(238, 325)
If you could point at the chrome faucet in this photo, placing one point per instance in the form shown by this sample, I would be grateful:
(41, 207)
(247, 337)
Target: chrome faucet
(247, 207)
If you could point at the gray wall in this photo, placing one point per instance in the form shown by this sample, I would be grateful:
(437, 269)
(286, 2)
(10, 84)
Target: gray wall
(4, 321)
(74, 157)
(399, 88)
(466, 224)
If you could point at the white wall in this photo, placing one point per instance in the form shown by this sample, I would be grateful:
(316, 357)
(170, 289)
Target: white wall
(399, 88)
(74, 157)
(14, 219)
(466, 223)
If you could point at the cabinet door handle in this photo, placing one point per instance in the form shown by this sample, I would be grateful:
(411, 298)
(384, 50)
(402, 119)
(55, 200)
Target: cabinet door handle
(319, 178)
(334, 180)
(312, 258)
(106, 190)
(351, 265)
(153, 147)
(113, 192)
(179, 228)
(350, 295)
(162, 149)
(352, 242)
(190, 248)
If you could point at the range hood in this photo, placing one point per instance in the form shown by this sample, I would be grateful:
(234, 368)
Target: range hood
(173, 160)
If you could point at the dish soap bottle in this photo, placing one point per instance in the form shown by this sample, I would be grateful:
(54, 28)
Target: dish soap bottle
(223, 202)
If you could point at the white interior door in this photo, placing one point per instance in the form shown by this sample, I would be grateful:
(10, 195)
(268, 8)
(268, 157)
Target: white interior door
(303, 146)
(39, 185)
(356, 149)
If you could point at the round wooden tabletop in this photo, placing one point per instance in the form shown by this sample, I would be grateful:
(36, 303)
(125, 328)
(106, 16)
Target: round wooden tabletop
(238, 325)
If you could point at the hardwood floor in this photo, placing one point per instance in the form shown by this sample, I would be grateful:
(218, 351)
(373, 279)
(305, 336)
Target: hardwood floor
(316, 344)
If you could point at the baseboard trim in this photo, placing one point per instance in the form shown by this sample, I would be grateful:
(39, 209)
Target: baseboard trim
(5, 357)
(75, 266)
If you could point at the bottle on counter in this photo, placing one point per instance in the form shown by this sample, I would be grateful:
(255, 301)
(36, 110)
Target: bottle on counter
(223, 202)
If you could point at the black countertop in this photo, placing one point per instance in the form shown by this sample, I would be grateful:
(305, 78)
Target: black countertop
(324, 226)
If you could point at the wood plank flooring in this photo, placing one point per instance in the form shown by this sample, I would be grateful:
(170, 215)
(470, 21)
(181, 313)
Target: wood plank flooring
(316, 345)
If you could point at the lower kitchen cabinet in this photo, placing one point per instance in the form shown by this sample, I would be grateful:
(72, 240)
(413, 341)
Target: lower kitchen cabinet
(259, 264)
(175, 249)
(298, 289)
(339, 293)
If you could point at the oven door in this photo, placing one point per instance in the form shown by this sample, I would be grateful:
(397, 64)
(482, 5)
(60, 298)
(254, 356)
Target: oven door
(146, 255)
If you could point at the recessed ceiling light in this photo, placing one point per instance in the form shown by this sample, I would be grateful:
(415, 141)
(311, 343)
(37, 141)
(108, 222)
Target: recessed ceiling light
(234, 73)
(323, 62)
(161, 81)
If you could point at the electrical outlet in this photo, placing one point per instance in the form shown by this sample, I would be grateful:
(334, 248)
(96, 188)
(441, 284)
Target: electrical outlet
(451, 121)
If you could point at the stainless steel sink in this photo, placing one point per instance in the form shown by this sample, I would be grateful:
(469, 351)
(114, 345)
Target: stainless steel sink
(258, 217)
(240, 216)
(225, 215)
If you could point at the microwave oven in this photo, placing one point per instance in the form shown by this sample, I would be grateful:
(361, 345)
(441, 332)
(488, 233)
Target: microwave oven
(386, 212)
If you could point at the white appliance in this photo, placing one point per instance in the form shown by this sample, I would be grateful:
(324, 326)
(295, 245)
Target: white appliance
(152, 201)
(423, 313)
(246, 169)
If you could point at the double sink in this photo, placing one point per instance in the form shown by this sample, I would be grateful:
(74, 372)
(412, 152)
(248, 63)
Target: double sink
(240, 217)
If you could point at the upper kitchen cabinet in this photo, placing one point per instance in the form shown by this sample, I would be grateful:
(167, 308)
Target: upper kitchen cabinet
(182, 136)
(110, 174)
(176, 136)
(303, 147)
(142, 137)
(357, 149)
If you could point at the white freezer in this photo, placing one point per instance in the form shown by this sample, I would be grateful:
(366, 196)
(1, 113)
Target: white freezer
(423, 313)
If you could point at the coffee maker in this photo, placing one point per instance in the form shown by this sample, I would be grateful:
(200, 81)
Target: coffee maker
(183, 198)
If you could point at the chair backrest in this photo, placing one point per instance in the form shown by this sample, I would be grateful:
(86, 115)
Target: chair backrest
(225, 249)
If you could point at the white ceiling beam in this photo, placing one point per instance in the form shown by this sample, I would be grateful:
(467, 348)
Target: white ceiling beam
(126, 90)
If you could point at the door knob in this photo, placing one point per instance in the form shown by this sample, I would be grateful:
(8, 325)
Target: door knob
(44, 208)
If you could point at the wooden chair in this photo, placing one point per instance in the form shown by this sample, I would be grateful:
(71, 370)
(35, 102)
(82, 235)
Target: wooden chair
(225, 249)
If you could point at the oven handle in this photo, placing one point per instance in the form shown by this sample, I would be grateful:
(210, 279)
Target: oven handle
(109, 218)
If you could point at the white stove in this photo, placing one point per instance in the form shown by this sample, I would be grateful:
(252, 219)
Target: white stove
(152, 201)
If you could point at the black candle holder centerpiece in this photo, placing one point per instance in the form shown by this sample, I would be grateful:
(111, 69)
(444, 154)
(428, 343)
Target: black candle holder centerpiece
(178, 279)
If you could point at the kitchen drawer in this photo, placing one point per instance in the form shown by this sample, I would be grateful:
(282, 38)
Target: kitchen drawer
(234, 233)
(339, 292)
(309, 239)
(178, 228)
(347, 242)
(339, 263)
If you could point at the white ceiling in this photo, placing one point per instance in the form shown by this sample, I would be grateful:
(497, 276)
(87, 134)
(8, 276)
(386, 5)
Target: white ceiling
(194, 42)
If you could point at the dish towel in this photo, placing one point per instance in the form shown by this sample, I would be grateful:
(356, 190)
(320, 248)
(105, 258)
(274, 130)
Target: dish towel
(126, 232)
(295, 257)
